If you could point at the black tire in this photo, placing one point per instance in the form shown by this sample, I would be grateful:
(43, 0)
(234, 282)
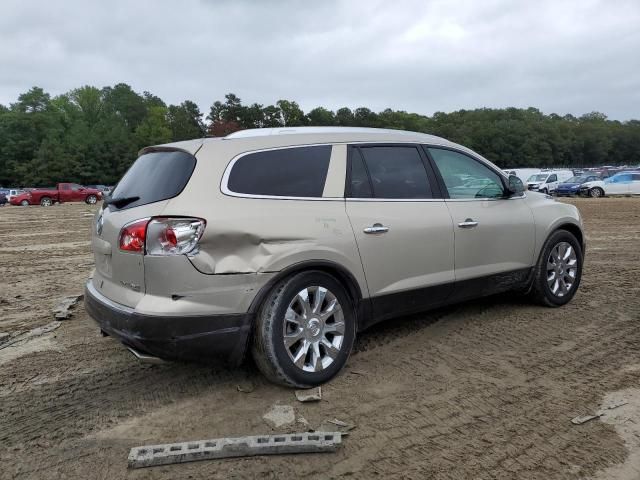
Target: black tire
(268, 349)
(91, 199)
(596, 192)
(545, 191)
(24, 203)
(46, 202)
(540, 291)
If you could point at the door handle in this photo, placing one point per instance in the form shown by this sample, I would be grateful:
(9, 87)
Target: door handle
(468, 223)
(376, 228)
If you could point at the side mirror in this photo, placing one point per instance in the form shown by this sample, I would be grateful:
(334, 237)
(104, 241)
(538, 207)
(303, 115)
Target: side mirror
(516, 187)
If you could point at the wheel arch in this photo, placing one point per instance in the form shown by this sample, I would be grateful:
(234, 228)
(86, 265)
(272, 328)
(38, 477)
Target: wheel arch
(340, 273)
(575, 230)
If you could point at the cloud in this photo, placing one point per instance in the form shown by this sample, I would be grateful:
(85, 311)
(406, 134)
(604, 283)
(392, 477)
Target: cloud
(420, 56)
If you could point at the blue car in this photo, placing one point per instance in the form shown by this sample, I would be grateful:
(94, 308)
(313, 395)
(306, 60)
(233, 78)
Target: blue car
(571, 187)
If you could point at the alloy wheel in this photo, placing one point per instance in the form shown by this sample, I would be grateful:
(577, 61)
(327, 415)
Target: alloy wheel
(562, 269)
(314, 328)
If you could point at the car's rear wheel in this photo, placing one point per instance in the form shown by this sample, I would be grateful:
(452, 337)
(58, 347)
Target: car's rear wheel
(24, 203)
(304, 330)
(45, 202)
(558, 271)
(596, 192)
(91, 199)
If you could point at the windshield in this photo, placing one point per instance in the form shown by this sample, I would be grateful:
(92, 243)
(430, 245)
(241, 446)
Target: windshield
(153, 177)
(540, 177)
(576, 180)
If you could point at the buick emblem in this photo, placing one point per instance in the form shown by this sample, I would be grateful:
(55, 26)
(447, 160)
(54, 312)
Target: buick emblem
(99, 224)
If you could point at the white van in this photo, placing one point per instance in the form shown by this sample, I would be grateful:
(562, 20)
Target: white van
(547, 181)
(522, 173)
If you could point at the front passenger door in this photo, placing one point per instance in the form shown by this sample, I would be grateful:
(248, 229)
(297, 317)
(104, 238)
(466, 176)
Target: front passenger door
(494, 235)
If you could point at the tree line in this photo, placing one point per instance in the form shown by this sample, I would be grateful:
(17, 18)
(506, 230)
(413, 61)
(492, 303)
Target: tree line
(91, 135)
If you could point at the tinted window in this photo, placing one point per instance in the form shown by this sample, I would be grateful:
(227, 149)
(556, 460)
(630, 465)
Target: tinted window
(552, 178)
(636, 177)
(287, 172)
(155, 176)
(396, 172)
(360, 186)
(465, 177)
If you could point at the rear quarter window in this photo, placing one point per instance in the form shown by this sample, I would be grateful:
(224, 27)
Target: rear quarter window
(284, 172)
(155, 176)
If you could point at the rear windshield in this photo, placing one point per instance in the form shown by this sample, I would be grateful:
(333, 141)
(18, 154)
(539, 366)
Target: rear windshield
(154, 177)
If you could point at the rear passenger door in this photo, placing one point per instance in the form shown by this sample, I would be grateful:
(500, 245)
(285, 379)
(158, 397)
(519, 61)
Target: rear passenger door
(402, 228)
(494, 235)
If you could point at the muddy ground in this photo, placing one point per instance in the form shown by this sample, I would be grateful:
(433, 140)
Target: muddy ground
(482, 390)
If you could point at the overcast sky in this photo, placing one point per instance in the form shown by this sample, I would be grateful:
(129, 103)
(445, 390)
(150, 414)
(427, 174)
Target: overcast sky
(421, 56)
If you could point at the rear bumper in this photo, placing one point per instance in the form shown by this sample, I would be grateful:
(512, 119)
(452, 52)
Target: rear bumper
(188, 337)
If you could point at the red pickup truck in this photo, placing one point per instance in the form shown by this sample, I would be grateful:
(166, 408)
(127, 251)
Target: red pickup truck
(64, 192)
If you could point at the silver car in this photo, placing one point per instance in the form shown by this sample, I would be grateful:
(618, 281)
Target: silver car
(288, 242)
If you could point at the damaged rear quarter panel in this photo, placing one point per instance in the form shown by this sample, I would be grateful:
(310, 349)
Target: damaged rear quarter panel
(261, 235)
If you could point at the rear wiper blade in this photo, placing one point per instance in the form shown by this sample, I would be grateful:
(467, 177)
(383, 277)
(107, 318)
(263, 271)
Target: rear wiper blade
(120, 202)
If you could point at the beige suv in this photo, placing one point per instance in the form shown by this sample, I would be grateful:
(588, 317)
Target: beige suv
(288, 242)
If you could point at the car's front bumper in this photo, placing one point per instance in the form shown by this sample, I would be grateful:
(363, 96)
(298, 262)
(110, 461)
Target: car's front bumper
(186, 337)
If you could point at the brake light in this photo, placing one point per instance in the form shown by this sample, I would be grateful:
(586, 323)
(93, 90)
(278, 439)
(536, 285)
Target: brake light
(174, 236)
(132, 236)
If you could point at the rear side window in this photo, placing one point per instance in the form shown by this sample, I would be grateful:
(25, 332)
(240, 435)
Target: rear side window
(155, 176)
(396, 172)
(285, 172)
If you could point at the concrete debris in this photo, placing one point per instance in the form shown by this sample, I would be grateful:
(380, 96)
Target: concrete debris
(598, 414)
(335, 424)
(36, 332)
(245, 387)
(62, 310)
(280, 415)
(151, 455)
(311, 395)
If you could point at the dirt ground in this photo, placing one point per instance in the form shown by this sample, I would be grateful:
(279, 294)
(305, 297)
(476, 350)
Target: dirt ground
(484, 390)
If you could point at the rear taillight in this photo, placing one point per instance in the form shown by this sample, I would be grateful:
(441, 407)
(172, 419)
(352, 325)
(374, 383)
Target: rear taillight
(132, 236)
(162, 236)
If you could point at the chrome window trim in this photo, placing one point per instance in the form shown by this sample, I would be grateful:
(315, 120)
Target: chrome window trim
(224, 187)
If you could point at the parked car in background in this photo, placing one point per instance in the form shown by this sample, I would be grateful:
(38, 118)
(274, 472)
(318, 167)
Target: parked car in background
(12, 192)
(310, 235)
(64, 192)
(571, 187)
(623, 183)
(103, 188)
(548, 181)
(3, 199)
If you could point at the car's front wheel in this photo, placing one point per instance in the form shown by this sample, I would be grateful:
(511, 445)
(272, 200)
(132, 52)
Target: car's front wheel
(558, 271)
(45, 202)
(596, 192)
(304, 330)
(24, 203)
(91, 199)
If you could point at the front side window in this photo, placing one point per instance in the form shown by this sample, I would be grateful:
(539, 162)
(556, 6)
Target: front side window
(552, 178)
(466, 177)
(285, 172)
(396, 172)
